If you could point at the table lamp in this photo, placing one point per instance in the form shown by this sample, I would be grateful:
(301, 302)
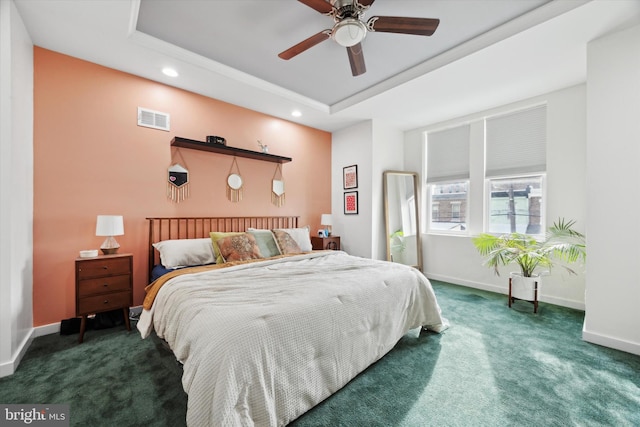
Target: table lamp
(109, 225)
(325, 220)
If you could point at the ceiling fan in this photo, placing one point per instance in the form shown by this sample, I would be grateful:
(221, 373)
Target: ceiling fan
(349, 29)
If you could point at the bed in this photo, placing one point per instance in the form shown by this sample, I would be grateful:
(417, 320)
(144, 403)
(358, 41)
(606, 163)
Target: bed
(264, 339)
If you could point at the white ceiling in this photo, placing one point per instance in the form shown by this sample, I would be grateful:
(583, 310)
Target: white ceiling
(485, 53)
(248, 35)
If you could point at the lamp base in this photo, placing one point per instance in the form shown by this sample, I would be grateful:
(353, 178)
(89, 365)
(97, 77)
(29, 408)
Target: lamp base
(109, 246)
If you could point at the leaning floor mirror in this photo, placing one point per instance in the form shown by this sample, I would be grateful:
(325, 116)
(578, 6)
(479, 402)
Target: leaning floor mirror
(401, 218)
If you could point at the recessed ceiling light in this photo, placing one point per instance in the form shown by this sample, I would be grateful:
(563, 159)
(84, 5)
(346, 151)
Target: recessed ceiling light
(296, 113)
(170, 72)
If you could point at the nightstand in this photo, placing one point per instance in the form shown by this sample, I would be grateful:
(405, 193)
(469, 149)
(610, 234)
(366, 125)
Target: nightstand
(323, 243)
(103, 283)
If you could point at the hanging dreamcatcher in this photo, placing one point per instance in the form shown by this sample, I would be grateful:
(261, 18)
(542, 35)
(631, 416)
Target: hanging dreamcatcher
(277, 187)
(234, 183)
(177, 183)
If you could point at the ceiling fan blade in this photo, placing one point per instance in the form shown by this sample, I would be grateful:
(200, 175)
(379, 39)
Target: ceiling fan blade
(305, 44)
(366, 2)
(320, 5)
(403, 25)
(356, 59)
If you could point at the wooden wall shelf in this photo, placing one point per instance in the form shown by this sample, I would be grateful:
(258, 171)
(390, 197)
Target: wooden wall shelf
(229, 151)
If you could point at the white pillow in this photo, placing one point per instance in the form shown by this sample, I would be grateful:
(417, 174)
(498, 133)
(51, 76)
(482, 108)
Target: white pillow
(301, 236)
(185, 252)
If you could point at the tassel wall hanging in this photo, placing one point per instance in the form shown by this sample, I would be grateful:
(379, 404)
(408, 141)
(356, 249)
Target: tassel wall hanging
(234, 183)
(177, 183)
(277, 187)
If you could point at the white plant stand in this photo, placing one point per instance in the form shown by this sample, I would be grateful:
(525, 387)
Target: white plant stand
(524, 289)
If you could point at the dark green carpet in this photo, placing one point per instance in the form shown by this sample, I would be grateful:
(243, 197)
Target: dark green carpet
(495, 366)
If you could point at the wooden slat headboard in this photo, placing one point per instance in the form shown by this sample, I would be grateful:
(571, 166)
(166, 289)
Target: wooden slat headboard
(198, 227)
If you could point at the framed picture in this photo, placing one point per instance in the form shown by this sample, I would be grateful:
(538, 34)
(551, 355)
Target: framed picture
(351, 203)
(350, 177)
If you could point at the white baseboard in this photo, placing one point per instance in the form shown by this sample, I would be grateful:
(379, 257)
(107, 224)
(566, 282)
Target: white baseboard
(467, 283)
(578, 305)
(6, 369)
(9, 367)
(611, 342)
(563, 302)
(53, 328)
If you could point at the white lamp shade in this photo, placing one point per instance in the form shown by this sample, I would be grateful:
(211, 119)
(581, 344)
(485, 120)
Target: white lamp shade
(325, 219)
(109, 225)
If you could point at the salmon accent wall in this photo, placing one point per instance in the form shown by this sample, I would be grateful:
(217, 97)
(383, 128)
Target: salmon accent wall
(91, 158)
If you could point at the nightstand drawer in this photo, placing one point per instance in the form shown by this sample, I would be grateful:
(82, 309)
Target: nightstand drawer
(104, 302)
(104, 267)
(325, 243)
(103, 285)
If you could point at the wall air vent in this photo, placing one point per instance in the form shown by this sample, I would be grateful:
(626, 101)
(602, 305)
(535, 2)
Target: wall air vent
(153, 119)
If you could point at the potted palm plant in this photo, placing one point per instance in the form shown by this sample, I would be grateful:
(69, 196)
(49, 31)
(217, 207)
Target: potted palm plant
(561, 242)
(398, 245)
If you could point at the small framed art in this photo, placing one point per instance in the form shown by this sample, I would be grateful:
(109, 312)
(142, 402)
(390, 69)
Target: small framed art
(350, 177)
(351, 203)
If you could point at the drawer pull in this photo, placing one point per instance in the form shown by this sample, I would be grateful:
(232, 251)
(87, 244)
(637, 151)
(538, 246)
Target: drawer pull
(105, 267)
(106, 301)
(106, 285)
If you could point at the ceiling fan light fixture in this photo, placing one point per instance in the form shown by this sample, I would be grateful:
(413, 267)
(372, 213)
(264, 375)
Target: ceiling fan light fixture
(349, 32)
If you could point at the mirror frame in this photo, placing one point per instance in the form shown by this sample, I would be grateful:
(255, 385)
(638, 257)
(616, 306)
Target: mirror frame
(416, 190)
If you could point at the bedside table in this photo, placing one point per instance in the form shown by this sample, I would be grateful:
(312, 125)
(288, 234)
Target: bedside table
(103, 283)
(323, 243)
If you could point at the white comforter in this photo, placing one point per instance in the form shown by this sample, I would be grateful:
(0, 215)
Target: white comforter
(262, 343)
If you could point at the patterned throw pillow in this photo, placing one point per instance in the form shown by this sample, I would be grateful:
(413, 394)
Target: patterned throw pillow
(215, 237)
(240, 247)
(301, 236)
(286, 243)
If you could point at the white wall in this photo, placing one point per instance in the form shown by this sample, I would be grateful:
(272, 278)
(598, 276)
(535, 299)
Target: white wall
(454, 258)
(352, 146)
(374, 148)
(16, 189)
(613, 173)
(387, 155)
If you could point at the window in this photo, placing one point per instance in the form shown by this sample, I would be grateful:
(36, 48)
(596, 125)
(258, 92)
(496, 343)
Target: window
(516, 143)
(455, 210)
(515, 205)
(515, 167)
(448, 206)
(448, 179)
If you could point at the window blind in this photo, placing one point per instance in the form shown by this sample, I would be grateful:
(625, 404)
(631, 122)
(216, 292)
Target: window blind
(448, 154)
(516, 143)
